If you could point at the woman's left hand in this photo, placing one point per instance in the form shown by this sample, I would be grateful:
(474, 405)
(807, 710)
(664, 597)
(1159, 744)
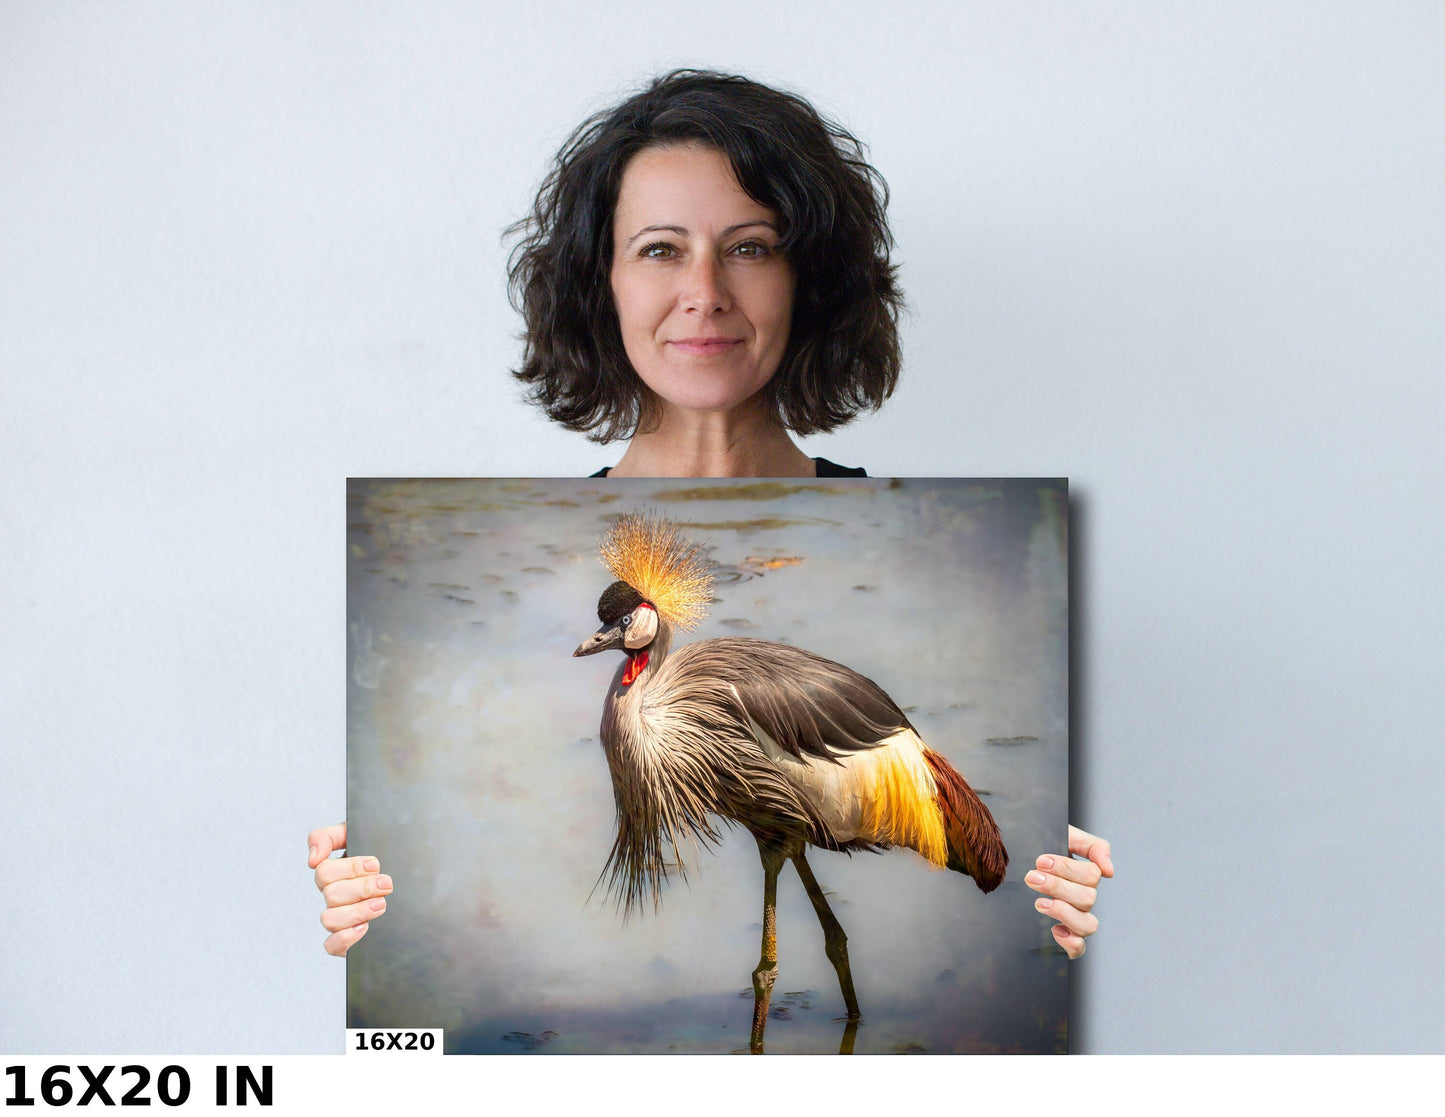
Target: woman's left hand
(1070, 887)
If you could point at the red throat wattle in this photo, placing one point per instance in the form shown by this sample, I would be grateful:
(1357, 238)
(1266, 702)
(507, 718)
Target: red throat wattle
(635, 664)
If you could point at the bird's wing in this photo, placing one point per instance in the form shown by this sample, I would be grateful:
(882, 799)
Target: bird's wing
(811, 706)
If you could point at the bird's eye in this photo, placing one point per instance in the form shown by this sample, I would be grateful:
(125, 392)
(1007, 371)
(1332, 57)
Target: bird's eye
(627, 620)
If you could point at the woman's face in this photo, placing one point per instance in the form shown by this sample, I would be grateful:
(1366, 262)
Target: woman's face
(703, 296)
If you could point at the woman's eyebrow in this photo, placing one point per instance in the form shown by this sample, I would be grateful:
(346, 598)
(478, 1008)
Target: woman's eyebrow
(680, 231)
(731, 229)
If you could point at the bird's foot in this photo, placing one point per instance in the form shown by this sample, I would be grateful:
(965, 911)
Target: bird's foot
(763, 979)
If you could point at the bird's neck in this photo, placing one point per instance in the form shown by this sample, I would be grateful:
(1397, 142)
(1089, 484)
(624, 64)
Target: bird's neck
(640, 667)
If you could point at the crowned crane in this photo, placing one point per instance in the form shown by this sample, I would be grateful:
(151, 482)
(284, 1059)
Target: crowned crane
(797, 749)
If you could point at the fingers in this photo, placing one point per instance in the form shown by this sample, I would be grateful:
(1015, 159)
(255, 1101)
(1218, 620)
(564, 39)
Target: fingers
(1070, 868)
(323, 842)
(351, 890)
(351, 903)
(1065, 879)
(338, 944)
(1070, 888)
(1095, 848)
(1081, 923)
(349, 915)
(354, 887)
(341, 868)
(1073, 944)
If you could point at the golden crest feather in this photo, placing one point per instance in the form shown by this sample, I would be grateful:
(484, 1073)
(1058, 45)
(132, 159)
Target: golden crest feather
(652, 555)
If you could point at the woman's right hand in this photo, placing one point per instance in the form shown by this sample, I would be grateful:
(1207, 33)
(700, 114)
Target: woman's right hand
(354, 887)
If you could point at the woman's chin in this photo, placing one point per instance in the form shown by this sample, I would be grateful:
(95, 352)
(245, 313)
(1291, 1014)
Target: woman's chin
(708, 399)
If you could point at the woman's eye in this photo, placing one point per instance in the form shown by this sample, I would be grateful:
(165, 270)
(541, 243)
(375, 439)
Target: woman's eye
(658, 251)
(751, 249)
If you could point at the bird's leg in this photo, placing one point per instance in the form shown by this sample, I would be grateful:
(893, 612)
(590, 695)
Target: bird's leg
(835, 942)
(767, 971)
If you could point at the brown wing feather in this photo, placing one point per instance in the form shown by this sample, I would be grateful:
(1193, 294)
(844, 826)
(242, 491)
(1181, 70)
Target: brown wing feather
(811, 706)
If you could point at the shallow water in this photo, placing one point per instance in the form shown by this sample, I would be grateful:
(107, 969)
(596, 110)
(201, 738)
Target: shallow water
(475, 774)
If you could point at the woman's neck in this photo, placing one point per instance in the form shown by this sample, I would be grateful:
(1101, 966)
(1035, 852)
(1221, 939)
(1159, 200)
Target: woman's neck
(745, 442)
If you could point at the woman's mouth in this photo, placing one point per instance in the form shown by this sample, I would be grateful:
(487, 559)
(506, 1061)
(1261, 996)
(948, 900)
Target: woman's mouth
(706, 346)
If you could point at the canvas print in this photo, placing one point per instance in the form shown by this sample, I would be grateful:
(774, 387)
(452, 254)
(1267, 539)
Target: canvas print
(709, 765)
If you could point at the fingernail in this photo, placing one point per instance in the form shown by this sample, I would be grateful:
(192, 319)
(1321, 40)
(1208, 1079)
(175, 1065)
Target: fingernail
(312, 856)
(1043, 903)
(1046, 862)
(378, 904)
(361, 929)
(1035, 878)
(383, 882)
(371, 865)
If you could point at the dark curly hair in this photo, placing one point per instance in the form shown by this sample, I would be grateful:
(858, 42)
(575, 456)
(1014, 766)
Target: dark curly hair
(843, 353)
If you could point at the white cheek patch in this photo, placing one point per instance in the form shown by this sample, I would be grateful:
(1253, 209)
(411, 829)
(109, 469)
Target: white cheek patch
(642, 629)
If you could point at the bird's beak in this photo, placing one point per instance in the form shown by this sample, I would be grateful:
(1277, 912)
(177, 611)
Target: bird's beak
(608, 636)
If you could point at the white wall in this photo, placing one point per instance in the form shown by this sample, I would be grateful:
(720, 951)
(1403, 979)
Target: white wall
(1187, 256)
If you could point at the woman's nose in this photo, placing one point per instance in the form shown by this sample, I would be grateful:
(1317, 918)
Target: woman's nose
(705, 287)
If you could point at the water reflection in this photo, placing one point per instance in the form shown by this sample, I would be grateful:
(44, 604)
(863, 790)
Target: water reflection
(474, 772)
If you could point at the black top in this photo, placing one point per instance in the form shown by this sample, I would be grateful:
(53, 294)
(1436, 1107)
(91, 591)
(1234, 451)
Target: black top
(825, 469)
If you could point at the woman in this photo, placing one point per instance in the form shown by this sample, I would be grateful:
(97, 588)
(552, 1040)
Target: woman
(706, 273)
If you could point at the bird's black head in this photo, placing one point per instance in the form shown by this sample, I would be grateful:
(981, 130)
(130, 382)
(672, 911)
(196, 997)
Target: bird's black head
(616, 602)
(629, 622)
